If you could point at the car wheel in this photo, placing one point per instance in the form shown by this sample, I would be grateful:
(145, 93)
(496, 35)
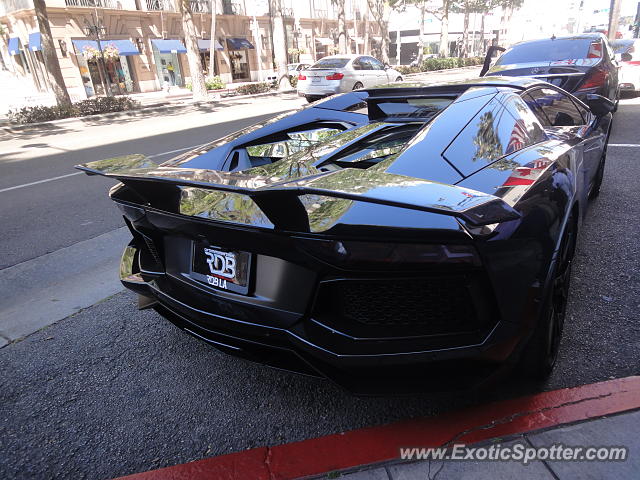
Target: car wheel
(358, 86)
(541, 353)
(597, 183)
(399, 79)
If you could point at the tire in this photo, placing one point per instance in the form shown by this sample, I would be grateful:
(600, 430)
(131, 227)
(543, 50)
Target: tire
(399, 79)
(358, 86)
(597, 183)
(540, 354)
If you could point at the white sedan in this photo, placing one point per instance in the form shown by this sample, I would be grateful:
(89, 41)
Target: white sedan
(343, 73)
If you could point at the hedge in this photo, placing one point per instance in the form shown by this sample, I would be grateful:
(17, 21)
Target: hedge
(435, 63)
(253, 88)
(91, 106)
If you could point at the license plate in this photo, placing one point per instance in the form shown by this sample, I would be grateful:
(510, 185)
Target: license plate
(221, 268)
(315, 79)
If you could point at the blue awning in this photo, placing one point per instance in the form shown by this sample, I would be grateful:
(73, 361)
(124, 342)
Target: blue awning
(238, 43)
(35, 42)
(125, 47)
(14, 46)
(169, 46)
(80, 44)
(204, 44)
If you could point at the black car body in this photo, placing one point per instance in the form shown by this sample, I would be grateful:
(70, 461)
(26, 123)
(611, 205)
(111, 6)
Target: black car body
(390, 239)
(580, 64)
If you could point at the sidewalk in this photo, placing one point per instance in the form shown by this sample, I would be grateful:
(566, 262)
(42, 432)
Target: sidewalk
(24, 93)
(597, 415)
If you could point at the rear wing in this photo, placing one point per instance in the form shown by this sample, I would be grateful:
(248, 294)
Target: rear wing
(280, 199)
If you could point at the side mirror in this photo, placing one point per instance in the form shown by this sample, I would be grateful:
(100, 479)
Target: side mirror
(387, 66)
(599, 105)
(626, 57)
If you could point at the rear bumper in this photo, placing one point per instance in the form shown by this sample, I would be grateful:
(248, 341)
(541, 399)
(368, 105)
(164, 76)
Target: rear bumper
(305, 346)
(319, 91)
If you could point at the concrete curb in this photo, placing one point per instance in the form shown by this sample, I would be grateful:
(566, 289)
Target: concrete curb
(157, 108)
(371, 446)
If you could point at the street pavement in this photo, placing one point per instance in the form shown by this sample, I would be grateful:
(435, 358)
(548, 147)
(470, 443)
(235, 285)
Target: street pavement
(111, 391)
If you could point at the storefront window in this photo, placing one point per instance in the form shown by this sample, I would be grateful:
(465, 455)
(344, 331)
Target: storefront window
(168, 68)
(239, 65)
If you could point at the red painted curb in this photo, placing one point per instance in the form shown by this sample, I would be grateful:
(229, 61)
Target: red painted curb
(382, 443)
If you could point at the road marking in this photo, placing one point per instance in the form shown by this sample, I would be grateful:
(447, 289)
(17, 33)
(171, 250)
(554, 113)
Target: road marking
(80, 173)
(629, 145)
(40, 181)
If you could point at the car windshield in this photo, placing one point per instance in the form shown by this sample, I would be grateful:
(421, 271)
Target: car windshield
(547, 51)
(335, 62)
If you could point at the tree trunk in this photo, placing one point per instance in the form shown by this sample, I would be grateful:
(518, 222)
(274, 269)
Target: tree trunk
(198, 85)
(444, 30)
(421, 38)
(482, 49)
(212, 48)
(367, 46)
(342, 28)
(384, 31)
(464, 51)
(54, 74)
(279, 39)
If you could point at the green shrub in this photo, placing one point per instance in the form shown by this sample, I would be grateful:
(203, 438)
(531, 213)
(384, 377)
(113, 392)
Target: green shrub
(293, 80)
(253, 88)
(214, 83)
(91, 106)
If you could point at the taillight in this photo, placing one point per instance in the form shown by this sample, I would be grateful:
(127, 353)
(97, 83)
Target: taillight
(595, 50)
(594, 80)
(335, 76)
(302, 77)
(372, 255)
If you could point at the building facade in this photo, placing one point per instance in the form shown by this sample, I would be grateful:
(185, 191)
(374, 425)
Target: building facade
(143, 45)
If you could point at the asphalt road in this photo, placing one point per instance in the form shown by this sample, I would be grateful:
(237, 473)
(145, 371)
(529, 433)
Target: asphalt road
(45, 217)
(112, 391)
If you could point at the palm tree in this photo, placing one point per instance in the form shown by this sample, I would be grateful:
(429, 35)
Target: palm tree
(56, 80)
(199, 87)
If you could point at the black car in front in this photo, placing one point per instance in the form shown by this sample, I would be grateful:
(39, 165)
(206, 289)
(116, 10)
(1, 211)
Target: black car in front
(394, 239)
(580, 64)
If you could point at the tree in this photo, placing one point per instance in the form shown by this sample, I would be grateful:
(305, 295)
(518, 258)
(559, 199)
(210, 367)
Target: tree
(279, 38)
(485, 6)
(199, 87)
(56, 80)
(380, 12)
(422, 6)
(342, 26)
(212, 47)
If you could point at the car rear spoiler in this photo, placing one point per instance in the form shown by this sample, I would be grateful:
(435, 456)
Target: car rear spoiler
(280, 202)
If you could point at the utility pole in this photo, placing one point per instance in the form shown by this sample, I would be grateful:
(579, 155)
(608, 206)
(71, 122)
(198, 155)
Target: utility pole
(636, 24)
(614, 17)
(95, 30)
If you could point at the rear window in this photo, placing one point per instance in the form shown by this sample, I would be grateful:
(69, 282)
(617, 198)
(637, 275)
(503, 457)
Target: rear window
(335, 62)
(547, 51)
(399, 108)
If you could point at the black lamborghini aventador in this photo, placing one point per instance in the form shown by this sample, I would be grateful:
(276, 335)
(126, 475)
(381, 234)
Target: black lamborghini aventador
(390, 239)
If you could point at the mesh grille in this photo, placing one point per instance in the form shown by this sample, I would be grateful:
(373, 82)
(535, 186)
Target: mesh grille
(434, 306)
